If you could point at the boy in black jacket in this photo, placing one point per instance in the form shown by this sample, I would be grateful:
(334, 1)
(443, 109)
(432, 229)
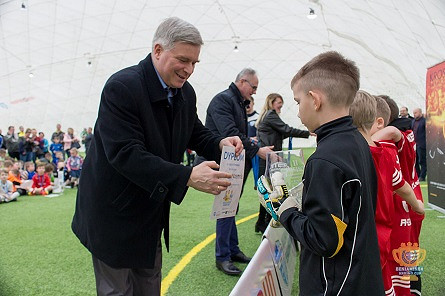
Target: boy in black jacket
(335, 226)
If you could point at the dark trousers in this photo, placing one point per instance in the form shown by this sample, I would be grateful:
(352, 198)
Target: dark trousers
(128, 281)
(226, 243)
(421, 162)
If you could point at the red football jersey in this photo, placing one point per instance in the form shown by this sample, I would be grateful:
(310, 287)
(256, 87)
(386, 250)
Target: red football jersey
(407, 155)
(389, 179)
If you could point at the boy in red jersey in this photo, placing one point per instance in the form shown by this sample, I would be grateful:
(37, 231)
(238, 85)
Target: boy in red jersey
(399, 136)
(41, 184)
(367, 117)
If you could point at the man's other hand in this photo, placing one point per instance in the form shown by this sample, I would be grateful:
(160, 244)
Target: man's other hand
(233, 142)
(204, 178)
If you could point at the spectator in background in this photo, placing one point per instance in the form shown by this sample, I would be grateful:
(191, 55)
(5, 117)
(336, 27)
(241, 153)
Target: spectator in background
(12, 143)
(7, 193)
(70, 141)
(2, 154)
(44, 144)
(26, 146)
(2, 142)
(74, 167)
(41, 183)
(418, 127)
(271, 132)
(88, 139)
(252, 117)
(56, 146)
(21, 131)
(404, 113)
(37, 149)
(58, 133)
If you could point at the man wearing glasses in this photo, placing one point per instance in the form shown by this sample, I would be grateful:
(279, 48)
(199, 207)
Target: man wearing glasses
(226, 116)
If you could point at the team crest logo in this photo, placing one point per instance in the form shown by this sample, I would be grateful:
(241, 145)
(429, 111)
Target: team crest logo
(409, 256)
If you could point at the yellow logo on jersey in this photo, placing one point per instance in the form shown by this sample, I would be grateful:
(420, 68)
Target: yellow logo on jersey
(409, 254)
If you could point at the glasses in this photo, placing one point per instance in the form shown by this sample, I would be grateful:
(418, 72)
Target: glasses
(252, 86)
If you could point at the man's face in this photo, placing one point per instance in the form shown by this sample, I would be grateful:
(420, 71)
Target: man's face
(248, 86)
(11, 130)
(58, 127)
(177, 64)
(306, 107)
(403, 112)
(417, 113)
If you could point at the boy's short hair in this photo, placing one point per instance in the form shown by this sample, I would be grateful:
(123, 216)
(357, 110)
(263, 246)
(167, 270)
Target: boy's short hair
(16, 172)
(40, 164)
(392, 106)
(330, 72)
(49, 167)
(28, 164)
(8, 163)
(383, 110)
(3, 171)
(2, 150)
(363, 110)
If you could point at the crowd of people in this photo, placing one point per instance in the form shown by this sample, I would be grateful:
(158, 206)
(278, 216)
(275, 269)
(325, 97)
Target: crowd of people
(30, 165)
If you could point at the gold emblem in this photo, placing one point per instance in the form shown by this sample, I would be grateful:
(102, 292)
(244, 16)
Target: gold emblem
(409, 254)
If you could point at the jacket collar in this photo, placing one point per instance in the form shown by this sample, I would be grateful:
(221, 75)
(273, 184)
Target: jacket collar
(154, 86)
(342, 124)
(402, 124)
(236, 91)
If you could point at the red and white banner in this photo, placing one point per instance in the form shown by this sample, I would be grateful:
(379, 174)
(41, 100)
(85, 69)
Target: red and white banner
(435, 135)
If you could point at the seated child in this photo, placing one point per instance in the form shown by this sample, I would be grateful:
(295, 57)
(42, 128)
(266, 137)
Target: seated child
(6, 188)
(29, 171)
(2, 154)
(74, 166)
(41, 184)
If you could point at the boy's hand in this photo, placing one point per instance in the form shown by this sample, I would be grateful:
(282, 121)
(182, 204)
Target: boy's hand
(420, 209)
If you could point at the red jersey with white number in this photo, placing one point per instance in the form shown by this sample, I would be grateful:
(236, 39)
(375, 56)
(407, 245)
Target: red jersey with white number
(401, 221)
(407, 155)
(389, 178)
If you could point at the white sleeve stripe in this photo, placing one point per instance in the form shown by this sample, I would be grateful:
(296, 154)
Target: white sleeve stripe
(396, 178)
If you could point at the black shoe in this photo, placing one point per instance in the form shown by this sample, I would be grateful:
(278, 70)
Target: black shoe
(260, 227)
(240, 257)
(228, 268)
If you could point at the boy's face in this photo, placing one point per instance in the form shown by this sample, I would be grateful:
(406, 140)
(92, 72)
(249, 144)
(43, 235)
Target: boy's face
(31, 168)
(41, 170)
(3, 176)
(307, 110)
(56, 140)
(15, 166)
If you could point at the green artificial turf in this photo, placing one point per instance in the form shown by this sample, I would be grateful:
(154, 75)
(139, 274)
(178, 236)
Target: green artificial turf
(39, 255)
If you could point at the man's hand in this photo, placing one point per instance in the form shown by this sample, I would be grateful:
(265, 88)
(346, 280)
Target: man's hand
(234, 141)
(262, 152)
(205, 179)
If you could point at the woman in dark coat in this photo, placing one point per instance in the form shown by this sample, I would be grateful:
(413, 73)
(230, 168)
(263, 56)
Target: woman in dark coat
(271, 131)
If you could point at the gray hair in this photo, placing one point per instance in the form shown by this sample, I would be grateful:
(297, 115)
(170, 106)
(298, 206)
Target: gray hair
(245, 72)
(174, 29)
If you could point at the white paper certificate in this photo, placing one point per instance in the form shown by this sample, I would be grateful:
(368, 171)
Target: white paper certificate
(226, 202)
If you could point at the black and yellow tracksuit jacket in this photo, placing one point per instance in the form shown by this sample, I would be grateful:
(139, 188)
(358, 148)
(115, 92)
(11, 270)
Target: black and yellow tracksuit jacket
(336, 227)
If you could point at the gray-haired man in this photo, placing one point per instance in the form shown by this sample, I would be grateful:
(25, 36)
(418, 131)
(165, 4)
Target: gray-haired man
(147, 118)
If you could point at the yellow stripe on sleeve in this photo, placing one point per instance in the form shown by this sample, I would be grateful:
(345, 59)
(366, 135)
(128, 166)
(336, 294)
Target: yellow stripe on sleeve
(341, 227)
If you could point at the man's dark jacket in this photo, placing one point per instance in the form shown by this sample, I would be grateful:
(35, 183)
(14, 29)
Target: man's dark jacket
(419, 129)
(226, 116)
(132, 170)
